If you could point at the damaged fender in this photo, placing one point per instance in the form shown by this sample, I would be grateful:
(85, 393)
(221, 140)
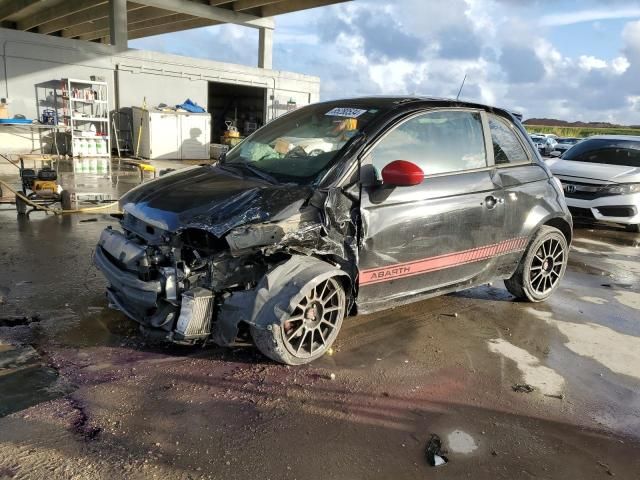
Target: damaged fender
(275, 297)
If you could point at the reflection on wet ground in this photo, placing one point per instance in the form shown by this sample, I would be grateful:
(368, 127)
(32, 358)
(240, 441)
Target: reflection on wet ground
(83, 394)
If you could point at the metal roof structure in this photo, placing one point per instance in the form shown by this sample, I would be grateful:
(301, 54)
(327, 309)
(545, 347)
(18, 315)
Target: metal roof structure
(115, 21)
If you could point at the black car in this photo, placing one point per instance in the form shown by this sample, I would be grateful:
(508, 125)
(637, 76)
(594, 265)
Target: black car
(565, 144)
(335, 209)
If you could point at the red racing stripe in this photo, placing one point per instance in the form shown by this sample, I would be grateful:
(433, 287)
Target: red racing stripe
(440, 262)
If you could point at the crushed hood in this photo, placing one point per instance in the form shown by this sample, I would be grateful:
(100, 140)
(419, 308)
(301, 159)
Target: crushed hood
(594, 171)
(211, 198)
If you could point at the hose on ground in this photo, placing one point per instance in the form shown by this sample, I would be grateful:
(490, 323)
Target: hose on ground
(56, 211)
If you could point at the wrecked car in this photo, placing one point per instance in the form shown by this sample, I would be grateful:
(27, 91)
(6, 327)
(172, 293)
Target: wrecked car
(332, 210)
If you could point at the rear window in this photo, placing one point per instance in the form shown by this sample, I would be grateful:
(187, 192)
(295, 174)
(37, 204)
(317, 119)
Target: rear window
(607, 152)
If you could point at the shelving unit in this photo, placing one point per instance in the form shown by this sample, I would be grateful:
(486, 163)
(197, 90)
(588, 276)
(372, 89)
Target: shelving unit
(80, 109)
(87, 114)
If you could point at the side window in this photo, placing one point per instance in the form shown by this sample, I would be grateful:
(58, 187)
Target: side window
(506, 146)
(438, 142)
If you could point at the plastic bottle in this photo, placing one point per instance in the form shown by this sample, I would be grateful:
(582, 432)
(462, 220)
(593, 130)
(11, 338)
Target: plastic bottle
(91, 147)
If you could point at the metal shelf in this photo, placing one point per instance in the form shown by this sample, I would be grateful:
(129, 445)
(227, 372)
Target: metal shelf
(82, 100)
(89, 119)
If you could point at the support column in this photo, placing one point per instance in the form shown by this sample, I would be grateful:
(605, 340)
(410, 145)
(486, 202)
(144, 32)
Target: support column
(118, 23)
(265, 51)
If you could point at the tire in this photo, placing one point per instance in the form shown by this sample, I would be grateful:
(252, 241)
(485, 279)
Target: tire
(633, 228)
(21, 206)
(302, 338)
(65, 200)
(541, 268)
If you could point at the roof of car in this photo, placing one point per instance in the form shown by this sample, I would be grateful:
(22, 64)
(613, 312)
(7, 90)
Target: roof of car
(398, 101)
(631, 138)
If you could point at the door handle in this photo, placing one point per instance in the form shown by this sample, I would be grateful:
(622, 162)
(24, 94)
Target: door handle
(490, 202)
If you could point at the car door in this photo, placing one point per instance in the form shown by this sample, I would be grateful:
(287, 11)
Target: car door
(525, 184)
(441, 232)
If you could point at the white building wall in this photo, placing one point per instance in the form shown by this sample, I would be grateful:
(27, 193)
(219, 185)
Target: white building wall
(132, 75)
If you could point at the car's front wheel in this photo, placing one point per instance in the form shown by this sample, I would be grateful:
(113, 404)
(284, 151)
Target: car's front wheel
(311, 328)
(541, 268)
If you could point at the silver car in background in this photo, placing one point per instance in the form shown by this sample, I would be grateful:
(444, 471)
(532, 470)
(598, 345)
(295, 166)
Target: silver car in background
(544, 144)
(601, 179)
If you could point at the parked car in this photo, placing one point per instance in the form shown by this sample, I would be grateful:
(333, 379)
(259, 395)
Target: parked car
(565, 144)
(416, 198)
(545, 145)
(601, 179)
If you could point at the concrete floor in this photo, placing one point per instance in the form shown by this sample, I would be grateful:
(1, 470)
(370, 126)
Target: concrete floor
(83, 395)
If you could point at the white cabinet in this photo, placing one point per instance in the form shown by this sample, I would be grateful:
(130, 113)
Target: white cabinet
(171, 135)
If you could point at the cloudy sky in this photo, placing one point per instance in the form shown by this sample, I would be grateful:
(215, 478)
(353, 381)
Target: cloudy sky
(569, 59)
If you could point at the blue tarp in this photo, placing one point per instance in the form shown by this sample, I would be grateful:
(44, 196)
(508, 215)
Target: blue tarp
(190, 106)
(15, 121)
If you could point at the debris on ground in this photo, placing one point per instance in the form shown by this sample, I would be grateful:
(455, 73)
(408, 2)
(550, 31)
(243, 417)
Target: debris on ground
(332, 376)
(435, 454)
(523, 388)
(606, 469)
(89, 220)
(18, 321)
(559, 396)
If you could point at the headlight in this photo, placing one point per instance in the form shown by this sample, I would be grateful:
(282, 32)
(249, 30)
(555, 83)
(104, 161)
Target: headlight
(558, 184)
(623, 188)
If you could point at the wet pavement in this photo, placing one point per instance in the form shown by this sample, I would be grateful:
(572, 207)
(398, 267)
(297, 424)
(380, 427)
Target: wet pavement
(84, 395)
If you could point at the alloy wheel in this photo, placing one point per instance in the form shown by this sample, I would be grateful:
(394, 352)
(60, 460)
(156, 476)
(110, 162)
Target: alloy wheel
(314, 323)
(546, 266)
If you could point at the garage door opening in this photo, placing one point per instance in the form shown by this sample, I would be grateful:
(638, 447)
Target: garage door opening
(241, 105)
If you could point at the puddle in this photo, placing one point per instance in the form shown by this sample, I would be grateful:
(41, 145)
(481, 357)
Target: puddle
(630, 299)
(545, 379)
(461, 442)
(24, 380)
(625, 265)
(596, 300)
(618, 352)
(26, 387)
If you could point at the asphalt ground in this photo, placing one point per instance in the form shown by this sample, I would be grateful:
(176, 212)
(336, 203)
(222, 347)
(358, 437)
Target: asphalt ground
(84, 396)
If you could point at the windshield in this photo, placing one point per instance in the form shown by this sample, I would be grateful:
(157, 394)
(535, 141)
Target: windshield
(608, 152)
(301, 145)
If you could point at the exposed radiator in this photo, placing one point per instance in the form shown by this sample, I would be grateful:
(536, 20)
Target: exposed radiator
(196, 313)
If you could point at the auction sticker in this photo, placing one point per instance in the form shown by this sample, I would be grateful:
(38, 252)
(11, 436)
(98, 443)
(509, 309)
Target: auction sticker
(345, 112)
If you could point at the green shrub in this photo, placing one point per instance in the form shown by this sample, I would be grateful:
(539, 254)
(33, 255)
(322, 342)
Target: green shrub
(581, 132)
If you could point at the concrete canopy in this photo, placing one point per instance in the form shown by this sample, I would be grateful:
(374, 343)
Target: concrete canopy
(99, 20)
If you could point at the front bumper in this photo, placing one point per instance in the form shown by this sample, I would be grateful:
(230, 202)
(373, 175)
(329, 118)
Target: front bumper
(138, 299)
(623, 209)
(159, 301)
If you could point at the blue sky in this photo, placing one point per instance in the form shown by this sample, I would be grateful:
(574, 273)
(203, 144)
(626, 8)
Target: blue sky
(569, 59)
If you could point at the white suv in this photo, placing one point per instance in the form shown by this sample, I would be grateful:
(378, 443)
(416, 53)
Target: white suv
(601, 179)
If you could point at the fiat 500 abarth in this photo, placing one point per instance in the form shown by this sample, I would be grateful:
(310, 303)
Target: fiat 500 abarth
(335, 209)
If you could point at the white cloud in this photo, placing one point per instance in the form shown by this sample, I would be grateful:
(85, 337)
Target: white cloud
(634, 102)
(412, 46)
(620, 65)
(570, 18)
(589, 62)
(631, 35)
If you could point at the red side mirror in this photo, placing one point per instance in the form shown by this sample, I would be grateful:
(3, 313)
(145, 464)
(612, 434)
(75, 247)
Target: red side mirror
(401, 173)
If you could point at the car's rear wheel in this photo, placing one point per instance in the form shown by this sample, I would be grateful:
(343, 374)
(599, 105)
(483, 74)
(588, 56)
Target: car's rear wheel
(310, 330)
(21, 205)
(633, 228)
(541, 268)
(65, 200)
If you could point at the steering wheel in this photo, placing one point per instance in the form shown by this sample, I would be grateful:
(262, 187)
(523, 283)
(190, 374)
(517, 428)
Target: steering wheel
(296, 151)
